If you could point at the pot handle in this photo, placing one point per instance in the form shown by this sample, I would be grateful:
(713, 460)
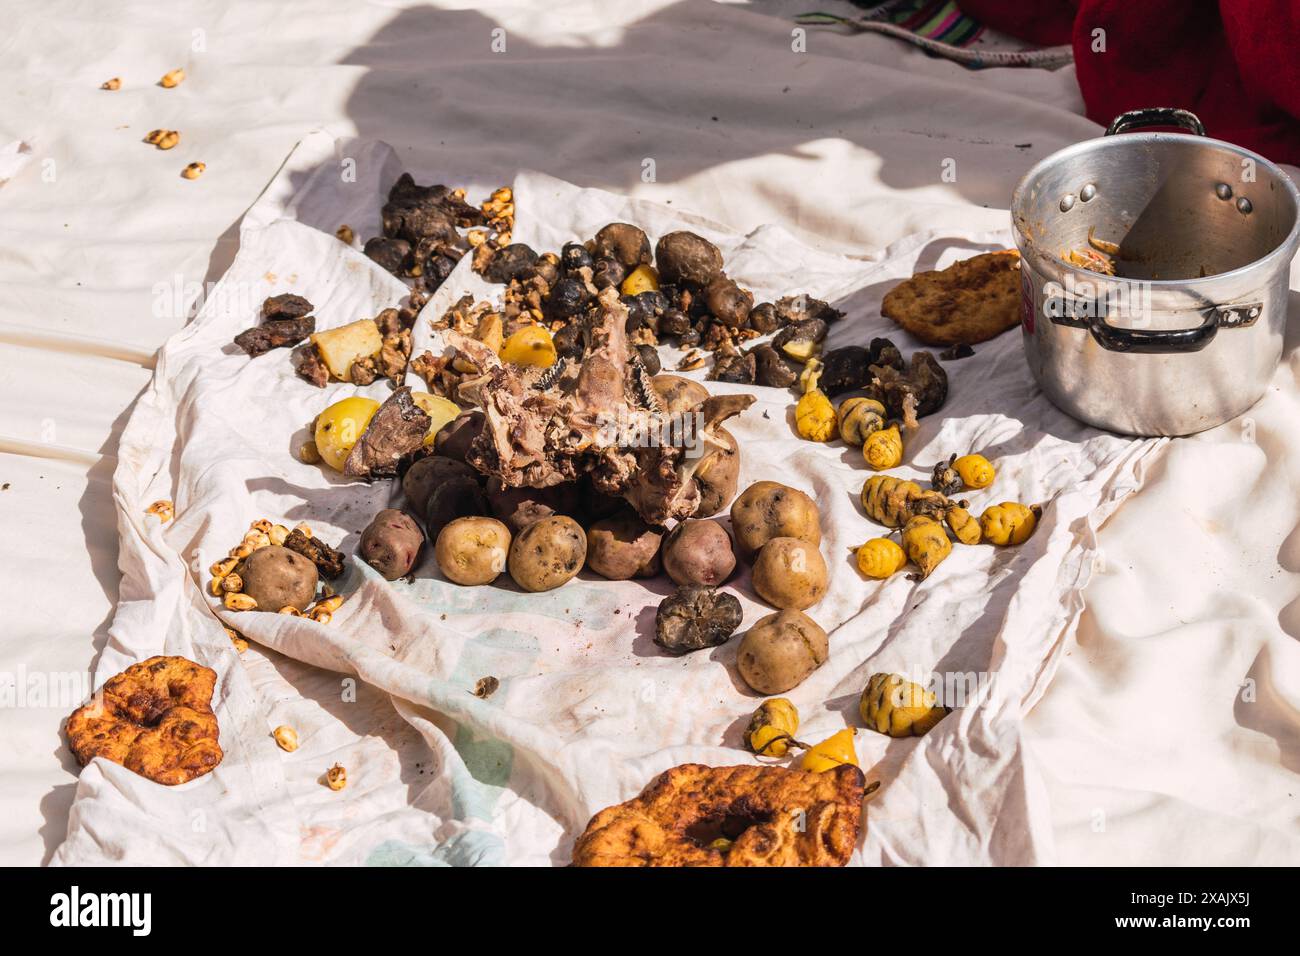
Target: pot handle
(1156, 116)
(1154, 341)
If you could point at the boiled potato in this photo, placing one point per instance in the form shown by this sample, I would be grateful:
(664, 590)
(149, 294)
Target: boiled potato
(339, 427)
(699, 552)
(769, 509)
(472, 550)
(677, 393)
(718, 476)
(440, 412)
(547, 553)
(391, 543)
(790, 573)
(520, 507)
(276, 577)
(531, 345)
(623, 547)
(340, 347)
(780, 651)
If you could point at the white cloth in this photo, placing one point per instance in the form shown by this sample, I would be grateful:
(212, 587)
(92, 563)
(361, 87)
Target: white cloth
(588, 710)
(1146, 754)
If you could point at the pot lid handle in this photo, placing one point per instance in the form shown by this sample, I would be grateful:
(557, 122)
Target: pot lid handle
(1156, 116)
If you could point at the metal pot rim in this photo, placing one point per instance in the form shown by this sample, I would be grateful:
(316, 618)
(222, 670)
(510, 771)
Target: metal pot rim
(1269, 261)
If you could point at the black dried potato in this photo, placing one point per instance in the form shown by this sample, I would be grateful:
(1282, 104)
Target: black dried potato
(454, 498)
(763, 318)
(799, 308)
(695, 618)
(515, 261)
(885, 352)
(771, 369)
(286, 306)
(728, 302)
(687, 259)
(623, 242)
(568, 298)
(649, 357)
(913, 394)
(673, 322)
(574, 256)
(944, 479)
(391, 255)
(738, 368)
(569, 342)
(275, 334)
(607, 273)
(427, 474)
(455, 437)
(391, 544)
(808, 332)
(845, 369)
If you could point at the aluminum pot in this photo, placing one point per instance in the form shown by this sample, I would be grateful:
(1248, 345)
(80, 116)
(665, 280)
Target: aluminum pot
(1188, 331)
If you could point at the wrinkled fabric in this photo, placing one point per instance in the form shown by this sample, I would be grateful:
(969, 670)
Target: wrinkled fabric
(588, 710)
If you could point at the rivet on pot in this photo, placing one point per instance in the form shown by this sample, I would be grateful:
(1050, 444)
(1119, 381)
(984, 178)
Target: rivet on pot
(1067, 202)
(1087, 193)
(1223, 191)
(1244, 207)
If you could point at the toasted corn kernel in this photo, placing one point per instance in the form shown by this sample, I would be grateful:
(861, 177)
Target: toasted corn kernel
(475, 238)
(194, 170)
(162, 509)
(321, 617)
(215, 586)
(114, 84)
(304, 527)
(172, 78)
(336, 777)
(153, 136)
(239, 602)
(692, 360)
(308, 453)
(241, 551)
(223, 567)
(262, 525)
(329, 605)
(290, 610)
(278, 533)
(286, 737)
(240, 642)
(257, 539)
(345, 234)
(168, 139)
(232, 583)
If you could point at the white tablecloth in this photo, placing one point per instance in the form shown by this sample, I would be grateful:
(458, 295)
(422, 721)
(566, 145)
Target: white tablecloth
(1171, 732)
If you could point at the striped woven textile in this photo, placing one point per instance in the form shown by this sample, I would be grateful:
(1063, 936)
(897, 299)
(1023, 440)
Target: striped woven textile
(940, 28)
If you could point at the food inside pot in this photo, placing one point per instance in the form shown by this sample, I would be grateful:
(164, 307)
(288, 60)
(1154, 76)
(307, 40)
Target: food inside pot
(1162, 209)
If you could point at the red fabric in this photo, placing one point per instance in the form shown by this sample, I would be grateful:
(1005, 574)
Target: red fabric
(1234, 63)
